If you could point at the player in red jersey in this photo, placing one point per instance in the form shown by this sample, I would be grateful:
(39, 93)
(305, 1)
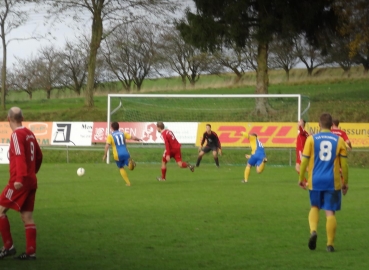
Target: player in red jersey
(25, 158)
(336, 130)
(212, 144)
(300, 143)
(172, 150)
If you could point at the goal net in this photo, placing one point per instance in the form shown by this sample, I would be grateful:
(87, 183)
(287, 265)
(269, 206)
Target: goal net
(182, 108)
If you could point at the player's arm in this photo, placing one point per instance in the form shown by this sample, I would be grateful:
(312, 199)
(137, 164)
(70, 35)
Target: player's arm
(219, 145)
(167, 145)
(305, 160)
(202, 141)
(20, 161)
(39, 156)
(131, 137)
(344, 166)
(107, 145)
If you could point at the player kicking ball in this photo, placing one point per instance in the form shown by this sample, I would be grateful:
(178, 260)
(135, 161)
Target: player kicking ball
(172, 150)
(212, 144)
(257, 157)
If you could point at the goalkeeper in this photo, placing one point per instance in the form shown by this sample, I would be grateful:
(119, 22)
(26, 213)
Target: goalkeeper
(117, 140)
(212, 144)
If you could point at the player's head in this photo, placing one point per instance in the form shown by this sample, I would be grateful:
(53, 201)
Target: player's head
(159, 126)
(302, 123)
(325, 121)
(254, 134)
(115, 126)
(336, 122)
(208, 128)
(15, 115)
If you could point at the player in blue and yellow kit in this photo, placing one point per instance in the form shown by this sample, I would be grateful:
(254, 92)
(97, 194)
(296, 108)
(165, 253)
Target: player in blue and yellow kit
(257, 157)
(324, 154)
(117, 140)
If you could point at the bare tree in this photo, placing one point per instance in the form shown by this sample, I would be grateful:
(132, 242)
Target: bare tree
(282, 54)
(23, 76)
(308, 54)
(13, 14)
(74, 63)
(183, 59)
(111, 13)
(49, 69)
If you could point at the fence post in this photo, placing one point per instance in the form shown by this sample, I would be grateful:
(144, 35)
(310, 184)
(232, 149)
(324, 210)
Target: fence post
(67, 154)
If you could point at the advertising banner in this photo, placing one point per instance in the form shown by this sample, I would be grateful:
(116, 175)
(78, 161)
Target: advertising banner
(184, 132)
(72, 133)
(4, 149)
(277, 134)
(42, 131)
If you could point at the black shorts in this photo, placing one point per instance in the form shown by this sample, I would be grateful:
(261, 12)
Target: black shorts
(209, 148)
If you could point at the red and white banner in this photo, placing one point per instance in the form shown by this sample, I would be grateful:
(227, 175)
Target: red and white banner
(184, 132)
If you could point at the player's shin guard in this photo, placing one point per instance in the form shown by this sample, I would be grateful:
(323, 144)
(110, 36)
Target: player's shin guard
(5, 232)
(124, 175)
(163, 173)
(198, 161)
(331, 226)
(247, 173)
(313, 219)
(30, 239)
(216, 161)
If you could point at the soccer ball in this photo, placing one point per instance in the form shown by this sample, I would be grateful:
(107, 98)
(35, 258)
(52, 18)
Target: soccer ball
(80, 171)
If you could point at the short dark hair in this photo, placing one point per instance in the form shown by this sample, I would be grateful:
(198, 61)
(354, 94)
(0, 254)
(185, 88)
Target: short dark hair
(160, 125)
(336, 122)
(208, 125)
(254, 134)
(115, 125)
(326, 120)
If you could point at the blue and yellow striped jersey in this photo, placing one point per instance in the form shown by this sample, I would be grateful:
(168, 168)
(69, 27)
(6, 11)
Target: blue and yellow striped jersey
(324, 151)
(256, 146)
(117, 140)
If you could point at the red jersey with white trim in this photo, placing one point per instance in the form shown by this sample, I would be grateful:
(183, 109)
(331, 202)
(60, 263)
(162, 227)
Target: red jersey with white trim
(169, 140)
(301, 139)
(25, 158)
(340, 133)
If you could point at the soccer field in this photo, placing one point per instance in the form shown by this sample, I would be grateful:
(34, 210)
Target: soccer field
(202, 220)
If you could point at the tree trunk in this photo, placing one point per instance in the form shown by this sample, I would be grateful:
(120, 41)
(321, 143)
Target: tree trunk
(287, 74)
(3, 70)
(184, 81)
(97, 29)
(30, 95)
(48, 93)
(262, 105)
(310, 71)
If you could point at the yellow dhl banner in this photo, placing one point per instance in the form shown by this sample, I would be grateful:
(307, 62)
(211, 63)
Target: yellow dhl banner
(282, 134)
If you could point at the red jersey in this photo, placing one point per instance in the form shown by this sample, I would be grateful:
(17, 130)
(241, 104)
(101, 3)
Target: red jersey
(340, 133)
(169, 140)
(25, 158)
(301, 139)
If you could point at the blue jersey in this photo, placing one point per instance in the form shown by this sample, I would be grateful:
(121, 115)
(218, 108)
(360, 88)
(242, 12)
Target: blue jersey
(324, 150)
(117, 140)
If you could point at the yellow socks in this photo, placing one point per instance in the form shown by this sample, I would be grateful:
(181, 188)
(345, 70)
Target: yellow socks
(247, 173)
(313, 219)
(331, 230)
(123, 173)
(260, 168)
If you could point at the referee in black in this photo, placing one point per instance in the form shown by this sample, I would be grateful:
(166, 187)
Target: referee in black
(212, 144)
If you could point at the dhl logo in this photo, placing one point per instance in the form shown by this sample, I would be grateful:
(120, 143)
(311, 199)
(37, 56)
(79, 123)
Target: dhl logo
(271, 135)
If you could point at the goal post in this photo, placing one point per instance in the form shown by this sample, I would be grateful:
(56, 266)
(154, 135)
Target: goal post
(202, 108)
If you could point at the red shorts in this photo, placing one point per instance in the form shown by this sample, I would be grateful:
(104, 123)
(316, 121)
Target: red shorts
(175, 153)
(19, 200)
(298, 156)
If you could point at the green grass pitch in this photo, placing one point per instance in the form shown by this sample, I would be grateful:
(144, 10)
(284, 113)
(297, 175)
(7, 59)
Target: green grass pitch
(202, 220)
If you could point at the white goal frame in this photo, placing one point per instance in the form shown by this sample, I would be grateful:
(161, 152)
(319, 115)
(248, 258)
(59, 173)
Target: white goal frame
(122, 96)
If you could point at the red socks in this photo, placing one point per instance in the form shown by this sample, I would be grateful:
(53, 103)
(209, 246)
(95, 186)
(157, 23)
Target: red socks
(30, 239)
(5, 232)
(184, 165)
(163, 173)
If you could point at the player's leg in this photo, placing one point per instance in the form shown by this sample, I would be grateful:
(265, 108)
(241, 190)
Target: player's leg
(121, 163)
(215, 155)
(316, 201)
(178, 157)
(6, 199)
(332, 203)
(163, 168)
(199, 157)
(260, 164)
